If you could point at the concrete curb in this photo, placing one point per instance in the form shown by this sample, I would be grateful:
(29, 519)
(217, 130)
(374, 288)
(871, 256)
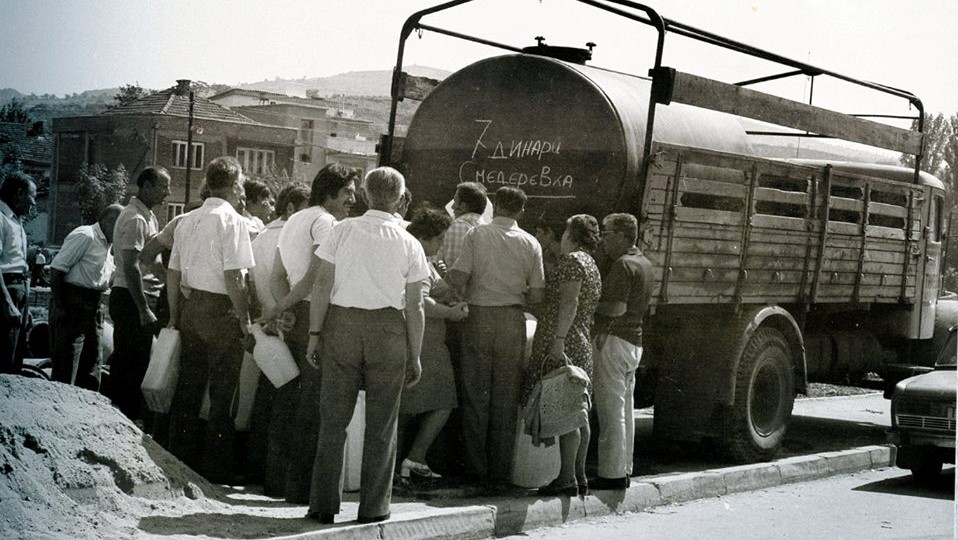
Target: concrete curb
(513, 515)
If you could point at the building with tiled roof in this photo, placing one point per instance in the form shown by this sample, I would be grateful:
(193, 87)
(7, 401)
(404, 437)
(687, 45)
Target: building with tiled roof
(153, 130)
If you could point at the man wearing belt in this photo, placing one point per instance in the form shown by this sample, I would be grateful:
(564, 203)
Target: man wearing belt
(134, 289)
(626, 291)
(498, 272)
(292, 444)
(17, 196)
(211, 249)
(80, 272)
(366, 325)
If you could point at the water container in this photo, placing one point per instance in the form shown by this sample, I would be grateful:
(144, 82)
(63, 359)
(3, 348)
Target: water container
(273, 357)
(159, 383)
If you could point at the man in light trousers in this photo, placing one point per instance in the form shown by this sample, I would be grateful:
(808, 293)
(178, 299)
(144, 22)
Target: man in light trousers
(626, 290)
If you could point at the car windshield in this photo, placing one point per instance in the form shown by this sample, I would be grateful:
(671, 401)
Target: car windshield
(946, 360)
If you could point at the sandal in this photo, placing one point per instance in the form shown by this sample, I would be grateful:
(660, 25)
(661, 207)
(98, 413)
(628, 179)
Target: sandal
(415, 470)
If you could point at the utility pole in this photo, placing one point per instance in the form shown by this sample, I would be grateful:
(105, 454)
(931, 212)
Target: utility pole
(189, 153)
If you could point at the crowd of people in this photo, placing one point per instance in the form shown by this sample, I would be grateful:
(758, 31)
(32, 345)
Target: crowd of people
(426, 315)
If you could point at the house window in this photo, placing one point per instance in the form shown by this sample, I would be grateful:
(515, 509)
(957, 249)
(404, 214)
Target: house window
(179, 155)
(173, 210)
(256, 161)
(306, 131)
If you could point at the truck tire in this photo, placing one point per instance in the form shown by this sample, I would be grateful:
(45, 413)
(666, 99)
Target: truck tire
(756, 423)
(927, 469)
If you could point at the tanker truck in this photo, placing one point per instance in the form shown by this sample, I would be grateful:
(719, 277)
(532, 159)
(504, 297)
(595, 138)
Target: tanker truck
(768, 272)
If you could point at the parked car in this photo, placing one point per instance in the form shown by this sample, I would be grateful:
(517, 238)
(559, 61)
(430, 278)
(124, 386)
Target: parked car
(923, 416)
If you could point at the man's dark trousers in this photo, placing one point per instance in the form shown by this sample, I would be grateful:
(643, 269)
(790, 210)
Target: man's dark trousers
(211, 350)
(131, 354)
(13, 331)
(76, 336)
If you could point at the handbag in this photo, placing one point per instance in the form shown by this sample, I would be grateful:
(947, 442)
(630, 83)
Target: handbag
(559, 404)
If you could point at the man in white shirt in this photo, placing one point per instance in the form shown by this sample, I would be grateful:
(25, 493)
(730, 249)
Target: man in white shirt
(366, 327)
(211, 249)
(295, 267)
(80, 272)
(135, 292)
(17, 197)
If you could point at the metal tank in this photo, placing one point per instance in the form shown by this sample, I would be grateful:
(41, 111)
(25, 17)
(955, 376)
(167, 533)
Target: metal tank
(571, 136)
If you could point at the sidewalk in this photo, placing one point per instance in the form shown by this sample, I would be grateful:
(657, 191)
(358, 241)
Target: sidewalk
(449, 514)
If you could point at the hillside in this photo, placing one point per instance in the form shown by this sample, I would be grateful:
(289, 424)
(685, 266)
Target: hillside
(353, 83)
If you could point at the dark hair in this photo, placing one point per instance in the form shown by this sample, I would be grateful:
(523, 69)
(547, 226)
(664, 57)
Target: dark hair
(328, 181)
(584, 230)
(296, 194)
(473, 196)
(12, 185)
(510, 200)
(625, 224)
(223, 172)
(256, 190)
(151, 175)
(428, 223)
(555, 228)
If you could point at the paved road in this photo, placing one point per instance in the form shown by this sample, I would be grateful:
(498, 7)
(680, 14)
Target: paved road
(873, 505)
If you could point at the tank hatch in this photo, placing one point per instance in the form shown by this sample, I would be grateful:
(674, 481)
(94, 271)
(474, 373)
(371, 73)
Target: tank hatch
(574, 55)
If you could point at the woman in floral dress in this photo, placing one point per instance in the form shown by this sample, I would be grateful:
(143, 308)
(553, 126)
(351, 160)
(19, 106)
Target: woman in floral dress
(572, 294)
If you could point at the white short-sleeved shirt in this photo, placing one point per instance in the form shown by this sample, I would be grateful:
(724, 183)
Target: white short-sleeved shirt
(264, 253)
(375, 258)
(13, 242)
(85, 258)
(303, 233)
(503, 262)
(134, 226)
(207, 242)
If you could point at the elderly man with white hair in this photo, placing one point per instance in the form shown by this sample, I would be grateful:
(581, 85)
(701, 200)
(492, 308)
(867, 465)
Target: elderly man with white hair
(366, 328)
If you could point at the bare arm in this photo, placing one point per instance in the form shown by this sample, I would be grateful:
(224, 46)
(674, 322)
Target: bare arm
(415, 325)
(173, 278)
(611, 308)
(459, 281)
(151, 250)
(568, 305)
(236, 290)
(318, 306)
(134, 282)
(278, 281)
(534, 296)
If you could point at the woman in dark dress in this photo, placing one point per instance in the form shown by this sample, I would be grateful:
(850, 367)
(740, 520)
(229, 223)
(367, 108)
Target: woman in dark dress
(572, 294)
(434, 397)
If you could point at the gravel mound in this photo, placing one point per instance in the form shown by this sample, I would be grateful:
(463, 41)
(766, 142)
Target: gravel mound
(72, 466)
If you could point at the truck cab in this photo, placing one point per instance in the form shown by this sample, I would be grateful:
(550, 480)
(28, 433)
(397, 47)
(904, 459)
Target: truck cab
(923, 416)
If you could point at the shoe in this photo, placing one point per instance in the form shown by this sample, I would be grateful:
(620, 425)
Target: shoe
(554, 490)
(601, 483)
(412, 469)
(584, 489)
(373, 519)
(322, 517)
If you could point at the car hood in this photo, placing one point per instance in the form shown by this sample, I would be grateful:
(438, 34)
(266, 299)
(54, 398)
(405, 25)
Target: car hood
(939, 384)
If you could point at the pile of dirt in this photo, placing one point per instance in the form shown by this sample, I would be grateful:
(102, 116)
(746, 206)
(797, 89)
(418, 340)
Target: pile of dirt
(72, 466)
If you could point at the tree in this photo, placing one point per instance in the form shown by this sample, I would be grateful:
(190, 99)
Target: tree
(99, 187)
(14, 112)
(129, 93)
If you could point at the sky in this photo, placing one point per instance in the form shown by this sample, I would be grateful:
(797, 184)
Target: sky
(66, 46)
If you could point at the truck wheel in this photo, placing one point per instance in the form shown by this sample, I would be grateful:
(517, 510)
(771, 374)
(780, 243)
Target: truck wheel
(755, 425)
(927, 470)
